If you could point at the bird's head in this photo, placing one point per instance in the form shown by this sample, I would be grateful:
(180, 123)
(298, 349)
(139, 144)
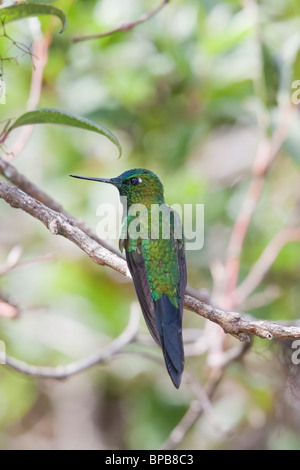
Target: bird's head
(140, 186)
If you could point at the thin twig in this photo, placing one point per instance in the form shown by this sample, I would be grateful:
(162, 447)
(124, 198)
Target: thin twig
(124, 27)
(203, 402)
(18, 45)
(266, 154)
(9, 266)
(40, 53)
(62, 372)
(7, 308)
(261, 299)
(265, 262)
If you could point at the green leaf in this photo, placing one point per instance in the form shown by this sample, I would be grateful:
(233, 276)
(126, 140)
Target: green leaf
(55, 116)
(27, 10)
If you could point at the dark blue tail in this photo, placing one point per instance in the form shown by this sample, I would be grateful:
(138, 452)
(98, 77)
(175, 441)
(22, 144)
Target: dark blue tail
(169, 325)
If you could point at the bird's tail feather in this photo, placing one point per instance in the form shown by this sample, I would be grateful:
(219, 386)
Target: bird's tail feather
(169, 325)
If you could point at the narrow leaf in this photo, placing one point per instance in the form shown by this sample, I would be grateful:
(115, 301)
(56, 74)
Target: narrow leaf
(55, 116)
(27, 10)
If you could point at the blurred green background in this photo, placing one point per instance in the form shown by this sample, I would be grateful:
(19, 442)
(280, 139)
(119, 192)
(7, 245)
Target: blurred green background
(185, 93)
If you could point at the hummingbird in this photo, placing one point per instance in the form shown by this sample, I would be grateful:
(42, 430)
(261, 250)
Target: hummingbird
(156, 262)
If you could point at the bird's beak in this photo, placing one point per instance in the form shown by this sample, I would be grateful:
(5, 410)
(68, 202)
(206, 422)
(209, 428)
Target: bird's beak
(100, 180)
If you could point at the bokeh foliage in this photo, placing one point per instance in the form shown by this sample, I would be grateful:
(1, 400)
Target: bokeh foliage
(184, 93)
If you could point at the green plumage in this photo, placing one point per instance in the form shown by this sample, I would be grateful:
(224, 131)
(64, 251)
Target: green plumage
(160, 256)
(152, 237)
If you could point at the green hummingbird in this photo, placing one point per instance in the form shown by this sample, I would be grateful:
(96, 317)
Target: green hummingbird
(156, 260)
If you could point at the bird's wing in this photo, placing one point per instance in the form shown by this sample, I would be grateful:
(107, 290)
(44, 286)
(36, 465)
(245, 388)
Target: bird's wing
(169, 318)
(163, 319)
(136, 265)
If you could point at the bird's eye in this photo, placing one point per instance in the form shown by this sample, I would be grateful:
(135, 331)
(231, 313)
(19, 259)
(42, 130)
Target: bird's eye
(135, 181)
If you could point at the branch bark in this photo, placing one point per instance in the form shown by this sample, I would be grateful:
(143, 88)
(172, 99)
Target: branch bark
(58, 224)
(19, 180)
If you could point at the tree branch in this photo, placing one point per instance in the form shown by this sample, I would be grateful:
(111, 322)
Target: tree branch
(62, 372)
(19, 180)
(241, 326)
(124, 27)
(268, 150)
(265, 261)
(13, 260)
(58, 224)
